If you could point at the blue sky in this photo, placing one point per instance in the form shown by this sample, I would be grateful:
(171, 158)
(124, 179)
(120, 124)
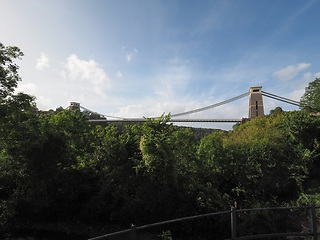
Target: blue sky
(135, 58)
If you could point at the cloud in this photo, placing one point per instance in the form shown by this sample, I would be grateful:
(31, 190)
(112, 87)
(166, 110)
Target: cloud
(291, 71)
(42, 62)
(133, 111)
(302, 83)
(43, 102)
(119, 74)
(154, 109)
(89, 73)
(297, 94)
(29, 88)
(308, 77)
(174, 79)
(131, 54)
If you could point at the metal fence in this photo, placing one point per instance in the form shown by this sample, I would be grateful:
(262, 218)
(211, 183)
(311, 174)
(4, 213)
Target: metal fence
(233, 216)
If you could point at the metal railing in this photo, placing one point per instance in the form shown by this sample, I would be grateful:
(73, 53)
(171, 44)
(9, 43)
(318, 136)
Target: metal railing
(233, 216)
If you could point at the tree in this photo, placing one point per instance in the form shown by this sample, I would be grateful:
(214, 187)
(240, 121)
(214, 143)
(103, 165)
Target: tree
(276, 111)
(310, 101)
(12, 106)
(214, 172)
(157, 151)
(9, 76)
(59, 109)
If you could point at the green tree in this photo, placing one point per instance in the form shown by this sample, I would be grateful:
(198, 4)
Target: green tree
(9, 76)
(157, 151)
(59, 109)
(9, 79)
(213, 172)
(276, 111)
(13, 106)
(38, 160)
(14, 112)
(288, 146)
(212, 157)
(266, 160)
(159, 167)
(310, 101)
(115, 159)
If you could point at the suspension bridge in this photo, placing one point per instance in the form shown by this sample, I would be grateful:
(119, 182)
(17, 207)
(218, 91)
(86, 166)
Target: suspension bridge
(256, 109)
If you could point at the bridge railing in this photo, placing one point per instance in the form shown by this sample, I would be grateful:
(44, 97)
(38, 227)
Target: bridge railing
(233, 216)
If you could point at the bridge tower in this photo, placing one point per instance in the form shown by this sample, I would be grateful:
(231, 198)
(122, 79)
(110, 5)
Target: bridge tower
(74, 105)
(255, 103)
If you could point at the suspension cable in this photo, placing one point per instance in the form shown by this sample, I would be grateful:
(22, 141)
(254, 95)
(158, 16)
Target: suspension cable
(290, 100)
(211, 106)
(282, 99)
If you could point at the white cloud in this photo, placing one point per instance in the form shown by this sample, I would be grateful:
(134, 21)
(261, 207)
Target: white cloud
(291, 71)
(133, 111)
(131, 54)
(308, 77)
(28, 88)
(44, 103)
(300, 84)
(42, 62)
(174, 79)
(119, 74)
(151, 107)
(89, 73)
(297, 94)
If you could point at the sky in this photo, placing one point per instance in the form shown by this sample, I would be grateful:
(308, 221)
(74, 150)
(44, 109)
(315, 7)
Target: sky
(143, 58)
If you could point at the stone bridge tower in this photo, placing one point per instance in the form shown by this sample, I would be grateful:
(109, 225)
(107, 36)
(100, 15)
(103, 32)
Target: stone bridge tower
(74, 105)
(255, 103)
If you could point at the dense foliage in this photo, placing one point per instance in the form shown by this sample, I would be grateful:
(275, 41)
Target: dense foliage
(310, 100)
(58, 168)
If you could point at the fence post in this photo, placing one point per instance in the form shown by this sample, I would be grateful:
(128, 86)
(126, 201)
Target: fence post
(233, 224)
(133, 232)
(313, 222)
